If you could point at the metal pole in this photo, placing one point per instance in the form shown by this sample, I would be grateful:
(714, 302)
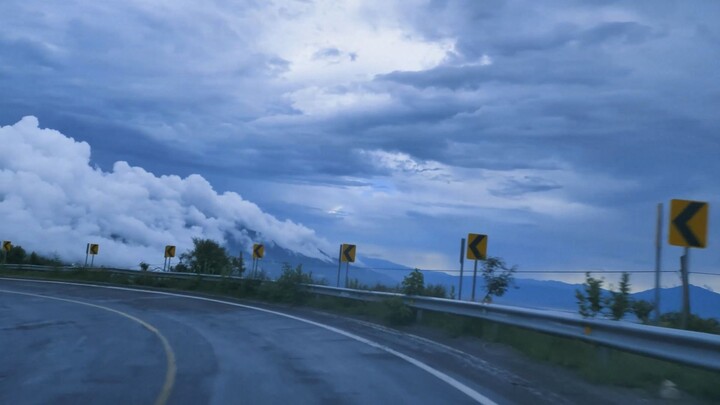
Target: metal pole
(684, 272)
(92, 261)
(87, 252)
(347, 267)
(169, 263)
(339, 265)
(462, 267)
(658, 259)
(242, 262)
(474, 280)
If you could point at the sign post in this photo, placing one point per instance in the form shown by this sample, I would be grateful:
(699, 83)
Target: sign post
(685, 277)
(462, 267)
(169, 254)
(339, 266)
(6, 248)
(658, 258)
(92, 249)
(258, 253)
(347, 255)
(476, 250)
(688, 228)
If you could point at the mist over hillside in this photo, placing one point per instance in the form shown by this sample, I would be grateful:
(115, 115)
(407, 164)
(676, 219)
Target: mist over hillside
(60, 201)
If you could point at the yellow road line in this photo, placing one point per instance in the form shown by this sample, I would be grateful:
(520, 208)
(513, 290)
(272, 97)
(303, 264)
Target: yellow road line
(169, 353)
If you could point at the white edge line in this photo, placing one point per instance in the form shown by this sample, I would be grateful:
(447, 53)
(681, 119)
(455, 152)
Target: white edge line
(476, 396)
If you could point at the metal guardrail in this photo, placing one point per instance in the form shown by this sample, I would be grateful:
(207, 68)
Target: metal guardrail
(164, 274)
(686, 347)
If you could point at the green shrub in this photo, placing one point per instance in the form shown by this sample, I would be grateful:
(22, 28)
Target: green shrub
(287, 287)
(397, 313)
(413, 283)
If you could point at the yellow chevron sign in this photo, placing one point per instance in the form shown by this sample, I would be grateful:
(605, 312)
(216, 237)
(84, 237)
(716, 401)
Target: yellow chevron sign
(258, 251)
(348, 253)
(476, 246)
(688, 223)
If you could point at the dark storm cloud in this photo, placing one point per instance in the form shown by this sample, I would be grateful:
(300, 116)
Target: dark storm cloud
(26, 53)
(542, 70)
(334, 55)
(326, 53)
(152, 71)
(593, 95)
(527, 184)
(564, 35)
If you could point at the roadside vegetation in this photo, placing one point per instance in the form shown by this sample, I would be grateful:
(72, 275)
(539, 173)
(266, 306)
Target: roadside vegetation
(18, 256)
(209, 257)
(597, 364)
(593, 301)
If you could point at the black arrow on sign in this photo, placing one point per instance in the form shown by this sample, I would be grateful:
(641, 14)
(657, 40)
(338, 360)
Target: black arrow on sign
(474, 246)
(257, 250)
(681, 223)
(347, 252)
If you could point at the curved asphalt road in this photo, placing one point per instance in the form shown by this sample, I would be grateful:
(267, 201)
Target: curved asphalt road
(62, 343)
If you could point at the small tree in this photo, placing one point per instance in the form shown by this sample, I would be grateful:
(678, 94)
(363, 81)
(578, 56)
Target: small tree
(180, 267)
(238, 265)
(413, 283)
(16, 255)
(590, 299)
(207, 256)
(642, 310)
(619, 301)
(34, 259)
(498, 277)
(144, 266)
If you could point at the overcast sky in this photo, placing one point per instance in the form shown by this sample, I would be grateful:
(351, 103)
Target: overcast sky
(554, 127)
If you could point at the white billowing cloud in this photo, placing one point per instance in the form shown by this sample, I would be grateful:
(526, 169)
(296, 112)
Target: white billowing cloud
(53, 200)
